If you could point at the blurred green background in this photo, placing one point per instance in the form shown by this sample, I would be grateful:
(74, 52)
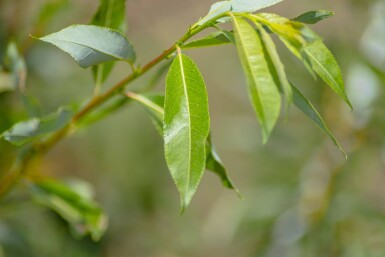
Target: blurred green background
(301, 197)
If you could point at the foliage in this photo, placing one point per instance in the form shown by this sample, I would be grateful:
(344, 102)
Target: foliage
(182, 115)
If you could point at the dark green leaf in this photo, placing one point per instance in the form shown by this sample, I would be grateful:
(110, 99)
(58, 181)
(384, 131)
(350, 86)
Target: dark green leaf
(251, 5)
(325, 65)
(24, 132)
(313, 17)
(186, 126)
(213, 39)
(111, 14)
(308, 109)
(91, 45)
(263, 92)
(216, 9)
(154, 105)
(82, 213)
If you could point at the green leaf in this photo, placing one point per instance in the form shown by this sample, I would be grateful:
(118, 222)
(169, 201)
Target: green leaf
(186, 126)
(251, 5)
(154, 105)
(15, 62)
(313, 17)
(213, 39)
(24, 132)
(216, 9)
(6, 82)
(326, 66)
(308, 109)
(82, 213)
(263, 92)
(111, 14)
(276, 67)
(91, 45)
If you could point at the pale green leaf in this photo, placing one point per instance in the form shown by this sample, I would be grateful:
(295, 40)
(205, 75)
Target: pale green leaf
(308, 109)
(276, 66)
(111, 14)
(24, 132)
(82, 213)
(313, 17)
(251, 5)
(186, 126)
(326, 66)
(91, 45)
(263, 92)
(216, 9)
(15, 62)
(154, 105)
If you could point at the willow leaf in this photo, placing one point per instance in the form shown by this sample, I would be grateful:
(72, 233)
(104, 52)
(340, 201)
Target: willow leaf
(91, 45)
(326, 66)
(154, 105)
(276, 66)
(308, 109)
(251, 5)
(213, 39)
(216, 9)
(313, 17)
(111, 14)
(263, 92)
(186, 126)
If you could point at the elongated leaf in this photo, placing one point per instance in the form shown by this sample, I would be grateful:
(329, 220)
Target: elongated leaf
(308, 109)
(154, 105)
(186, 126)
(213, 39)
(15, 62)
(313, 17)
(111, 14)
(326, 66)
(263, 92)
(251, 5)
(82, 213)
(216, 9)
(91, 45)
(24, 132)
(276, 67)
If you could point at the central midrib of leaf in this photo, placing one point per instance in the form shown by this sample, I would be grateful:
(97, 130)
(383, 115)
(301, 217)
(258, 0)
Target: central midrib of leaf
(249, 69)
(189, 121)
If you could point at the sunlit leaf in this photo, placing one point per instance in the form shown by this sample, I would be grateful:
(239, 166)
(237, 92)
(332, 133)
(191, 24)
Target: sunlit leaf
(251, 5)
(82, 213)
(263, 92)
(186, 126)
(276, 66)
(313, 17)
(24, 132)
(91, 45)
(325, 65)
(154, 105)
(308, 109)
(111, 14)
(216, 9)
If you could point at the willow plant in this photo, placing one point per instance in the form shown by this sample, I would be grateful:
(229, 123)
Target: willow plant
(181, 115)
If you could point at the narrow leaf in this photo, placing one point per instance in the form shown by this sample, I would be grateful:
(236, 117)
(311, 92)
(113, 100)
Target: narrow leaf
(91, 45)
(326, 66)
(263, 92)
(111, 14)
(276, 66)
(24, 132)
(213, 39)
(216, 9)
(313, 17)
(308, 109)
(83, 214)
(154, 105)
(251, 5)
(186, 126)
(15, 62)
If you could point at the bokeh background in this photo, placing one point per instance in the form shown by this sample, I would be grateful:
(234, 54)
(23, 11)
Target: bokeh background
(301, 197)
